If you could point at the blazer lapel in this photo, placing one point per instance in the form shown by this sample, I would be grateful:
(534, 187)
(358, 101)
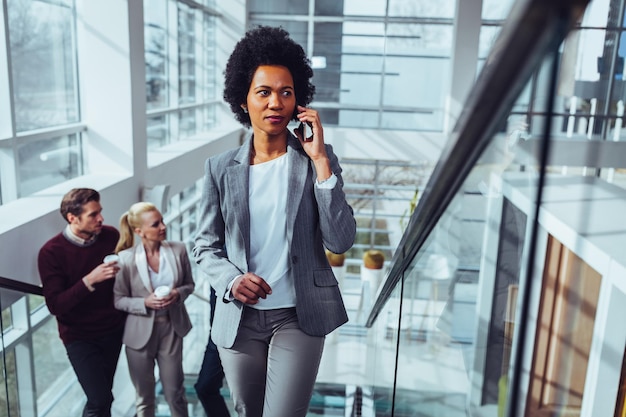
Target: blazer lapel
(298, 165)
(168, 252)
(237, 181)
(142, 267)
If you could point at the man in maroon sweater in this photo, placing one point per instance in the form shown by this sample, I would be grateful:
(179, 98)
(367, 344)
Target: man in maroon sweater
(78, 288)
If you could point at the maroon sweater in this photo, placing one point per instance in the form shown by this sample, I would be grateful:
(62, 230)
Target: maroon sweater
(81, 314)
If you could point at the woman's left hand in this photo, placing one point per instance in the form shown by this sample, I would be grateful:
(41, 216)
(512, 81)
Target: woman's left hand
(165, 302)
(172, 297)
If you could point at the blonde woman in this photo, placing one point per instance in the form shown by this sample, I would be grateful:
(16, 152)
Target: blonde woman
(156, 321)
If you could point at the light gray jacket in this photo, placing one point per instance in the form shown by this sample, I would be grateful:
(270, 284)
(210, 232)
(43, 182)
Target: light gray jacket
(132, 285)
(316, 219)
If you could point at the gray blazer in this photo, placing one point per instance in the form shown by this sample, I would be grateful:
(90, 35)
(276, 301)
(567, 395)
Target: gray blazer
(132, 285)
(316, 219)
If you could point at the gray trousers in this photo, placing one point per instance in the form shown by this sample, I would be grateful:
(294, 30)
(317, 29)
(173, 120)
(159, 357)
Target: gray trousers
(166, 348)
(272, 366)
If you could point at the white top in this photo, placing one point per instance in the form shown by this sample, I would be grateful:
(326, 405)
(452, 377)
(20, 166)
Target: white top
(165, 276)
(268, 231)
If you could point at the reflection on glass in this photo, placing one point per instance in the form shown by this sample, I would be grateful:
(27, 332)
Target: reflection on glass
(186, 55)
(422, 8)
(364, 7)
(47, 162)
(426, 120)
(486, 40)
(504, 303)
(371, 187)
(208, 120)
(57, 389)
(380, 386)
(35, 302)
(419, 39)
(49, 355)
(286, 7)
(155, 34)
(437, 311)
(8, 406)
(43, 65)
(427, 92)
(362, 62)
(7, 319)
(192, 224)
(189, 194)
(194, 60)
(328, 8)
(297, 30)
(157, 131)
(187, 123)
(363, 38)
(353, 93)
(208, 66)
(327, 49)
(496, 9)
(373, 64)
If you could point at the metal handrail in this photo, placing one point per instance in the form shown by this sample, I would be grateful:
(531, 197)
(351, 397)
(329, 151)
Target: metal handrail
(19, 286)
(533, 30)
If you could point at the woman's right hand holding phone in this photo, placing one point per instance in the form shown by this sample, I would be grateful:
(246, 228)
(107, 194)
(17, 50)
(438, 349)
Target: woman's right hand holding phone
(314, 144)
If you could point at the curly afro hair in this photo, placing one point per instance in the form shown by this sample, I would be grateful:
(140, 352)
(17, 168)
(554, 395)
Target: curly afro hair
(265, 45)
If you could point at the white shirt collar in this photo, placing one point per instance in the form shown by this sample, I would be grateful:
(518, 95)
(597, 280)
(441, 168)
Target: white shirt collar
(70, 235)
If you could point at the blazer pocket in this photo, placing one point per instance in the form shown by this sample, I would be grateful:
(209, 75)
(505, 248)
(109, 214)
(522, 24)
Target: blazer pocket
(324, 277)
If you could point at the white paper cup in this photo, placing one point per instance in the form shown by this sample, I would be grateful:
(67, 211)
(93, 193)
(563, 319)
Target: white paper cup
(111, 258)
(162, 291)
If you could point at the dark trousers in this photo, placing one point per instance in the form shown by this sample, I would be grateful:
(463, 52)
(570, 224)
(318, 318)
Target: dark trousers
(94, 362)
(211, 377)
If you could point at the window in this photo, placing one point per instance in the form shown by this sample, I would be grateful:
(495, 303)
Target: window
(180, 70)
(374, 67)
(43, 64)
(42, 143)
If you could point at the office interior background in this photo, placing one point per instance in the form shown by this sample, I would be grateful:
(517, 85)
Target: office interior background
(507, 301)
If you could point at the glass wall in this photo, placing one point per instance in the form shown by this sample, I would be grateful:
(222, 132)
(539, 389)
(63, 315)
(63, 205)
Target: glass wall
(42, 87)
(376, 67)
(42, 43)
(44, 139)
(180, 70)
(513, 304)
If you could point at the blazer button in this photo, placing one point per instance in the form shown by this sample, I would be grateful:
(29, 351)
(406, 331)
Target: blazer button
(294, 259)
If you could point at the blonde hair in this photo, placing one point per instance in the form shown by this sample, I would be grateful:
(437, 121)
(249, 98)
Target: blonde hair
(129, 222)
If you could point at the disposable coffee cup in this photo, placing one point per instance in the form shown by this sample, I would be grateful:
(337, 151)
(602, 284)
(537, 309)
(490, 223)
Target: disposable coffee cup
(111, 258)
(162, 291)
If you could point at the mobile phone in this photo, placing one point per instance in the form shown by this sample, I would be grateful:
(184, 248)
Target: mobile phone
(303, 132)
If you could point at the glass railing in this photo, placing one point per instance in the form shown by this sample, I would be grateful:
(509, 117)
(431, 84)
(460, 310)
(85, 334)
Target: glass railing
(38, 379)
(496, 300)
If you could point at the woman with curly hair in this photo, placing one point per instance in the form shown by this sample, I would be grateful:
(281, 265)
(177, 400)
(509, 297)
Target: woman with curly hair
(269, 209)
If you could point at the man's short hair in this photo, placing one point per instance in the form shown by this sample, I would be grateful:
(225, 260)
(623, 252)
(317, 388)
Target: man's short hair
(74, 201)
